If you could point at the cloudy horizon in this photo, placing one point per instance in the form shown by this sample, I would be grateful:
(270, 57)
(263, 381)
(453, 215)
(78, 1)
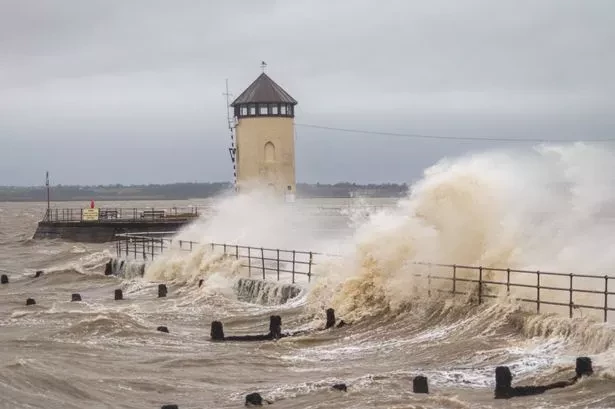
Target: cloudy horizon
(131, 92)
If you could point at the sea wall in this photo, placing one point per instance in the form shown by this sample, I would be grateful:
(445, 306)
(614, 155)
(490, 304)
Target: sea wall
(101, 232)
(251, 290)
(265, 292)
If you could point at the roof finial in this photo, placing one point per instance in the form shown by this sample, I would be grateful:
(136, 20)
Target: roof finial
(263, 65)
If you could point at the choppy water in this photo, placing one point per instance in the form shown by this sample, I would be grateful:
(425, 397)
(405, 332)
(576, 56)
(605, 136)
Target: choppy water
(103, 353)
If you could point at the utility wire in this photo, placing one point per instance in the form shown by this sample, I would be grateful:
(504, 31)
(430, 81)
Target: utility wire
(453, 138)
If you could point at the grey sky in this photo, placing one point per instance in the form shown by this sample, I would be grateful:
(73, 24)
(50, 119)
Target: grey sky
(130, 91)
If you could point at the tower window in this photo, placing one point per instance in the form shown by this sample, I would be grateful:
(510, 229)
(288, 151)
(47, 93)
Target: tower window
(269, 152)
(290, 109)
(273, 109)
(262, 109)
(244, 110)
(252, 109)
(283, 109)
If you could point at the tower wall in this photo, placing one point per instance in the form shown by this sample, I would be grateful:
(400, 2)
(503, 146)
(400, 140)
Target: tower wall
(266, 153)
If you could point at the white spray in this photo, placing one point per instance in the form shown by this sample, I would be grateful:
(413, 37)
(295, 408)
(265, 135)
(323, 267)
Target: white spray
(549, 209)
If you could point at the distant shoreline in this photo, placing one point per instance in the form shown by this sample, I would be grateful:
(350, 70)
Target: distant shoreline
(188, 191)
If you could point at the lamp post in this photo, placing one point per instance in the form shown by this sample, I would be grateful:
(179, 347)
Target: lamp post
(47, 184)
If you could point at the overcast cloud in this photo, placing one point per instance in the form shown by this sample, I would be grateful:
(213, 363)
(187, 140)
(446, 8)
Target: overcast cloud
(130, 91)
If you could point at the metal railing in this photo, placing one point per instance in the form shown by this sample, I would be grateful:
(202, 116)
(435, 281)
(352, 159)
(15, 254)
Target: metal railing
(546, 291)
(543, 289)
(266, 263)
(122, 214)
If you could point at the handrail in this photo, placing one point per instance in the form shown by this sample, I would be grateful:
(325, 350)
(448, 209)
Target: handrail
(480, 282)
(121, 214)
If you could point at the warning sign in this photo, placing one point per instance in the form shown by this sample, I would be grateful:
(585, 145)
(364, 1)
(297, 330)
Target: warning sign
(89, 215)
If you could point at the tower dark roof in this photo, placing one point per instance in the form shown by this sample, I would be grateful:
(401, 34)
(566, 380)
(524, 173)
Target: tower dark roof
(264, 90)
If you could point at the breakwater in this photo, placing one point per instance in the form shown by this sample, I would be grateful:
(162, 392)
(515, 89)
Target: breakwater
(101, 225)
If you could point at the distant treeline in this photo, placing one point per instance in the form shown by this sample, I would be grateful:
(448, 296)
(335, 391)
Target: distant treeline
(179, 191)
(340, 190)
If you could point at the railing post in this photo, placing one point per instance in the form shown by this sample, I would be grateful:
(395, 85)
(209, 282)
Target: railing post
(151, 243)
(161, 245)
(236, 252)
(606, 298)
(508, 281)
(263, 261)
(225, 249)
(294, 254)
(135, 252)
(537, 292)
(570, 301)
(310, 268)
(190, 245)
(480, 284)
(278, 263)
(454, 279)
(249, 262)
(127, 247)
(429, 282)
(181, 245)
